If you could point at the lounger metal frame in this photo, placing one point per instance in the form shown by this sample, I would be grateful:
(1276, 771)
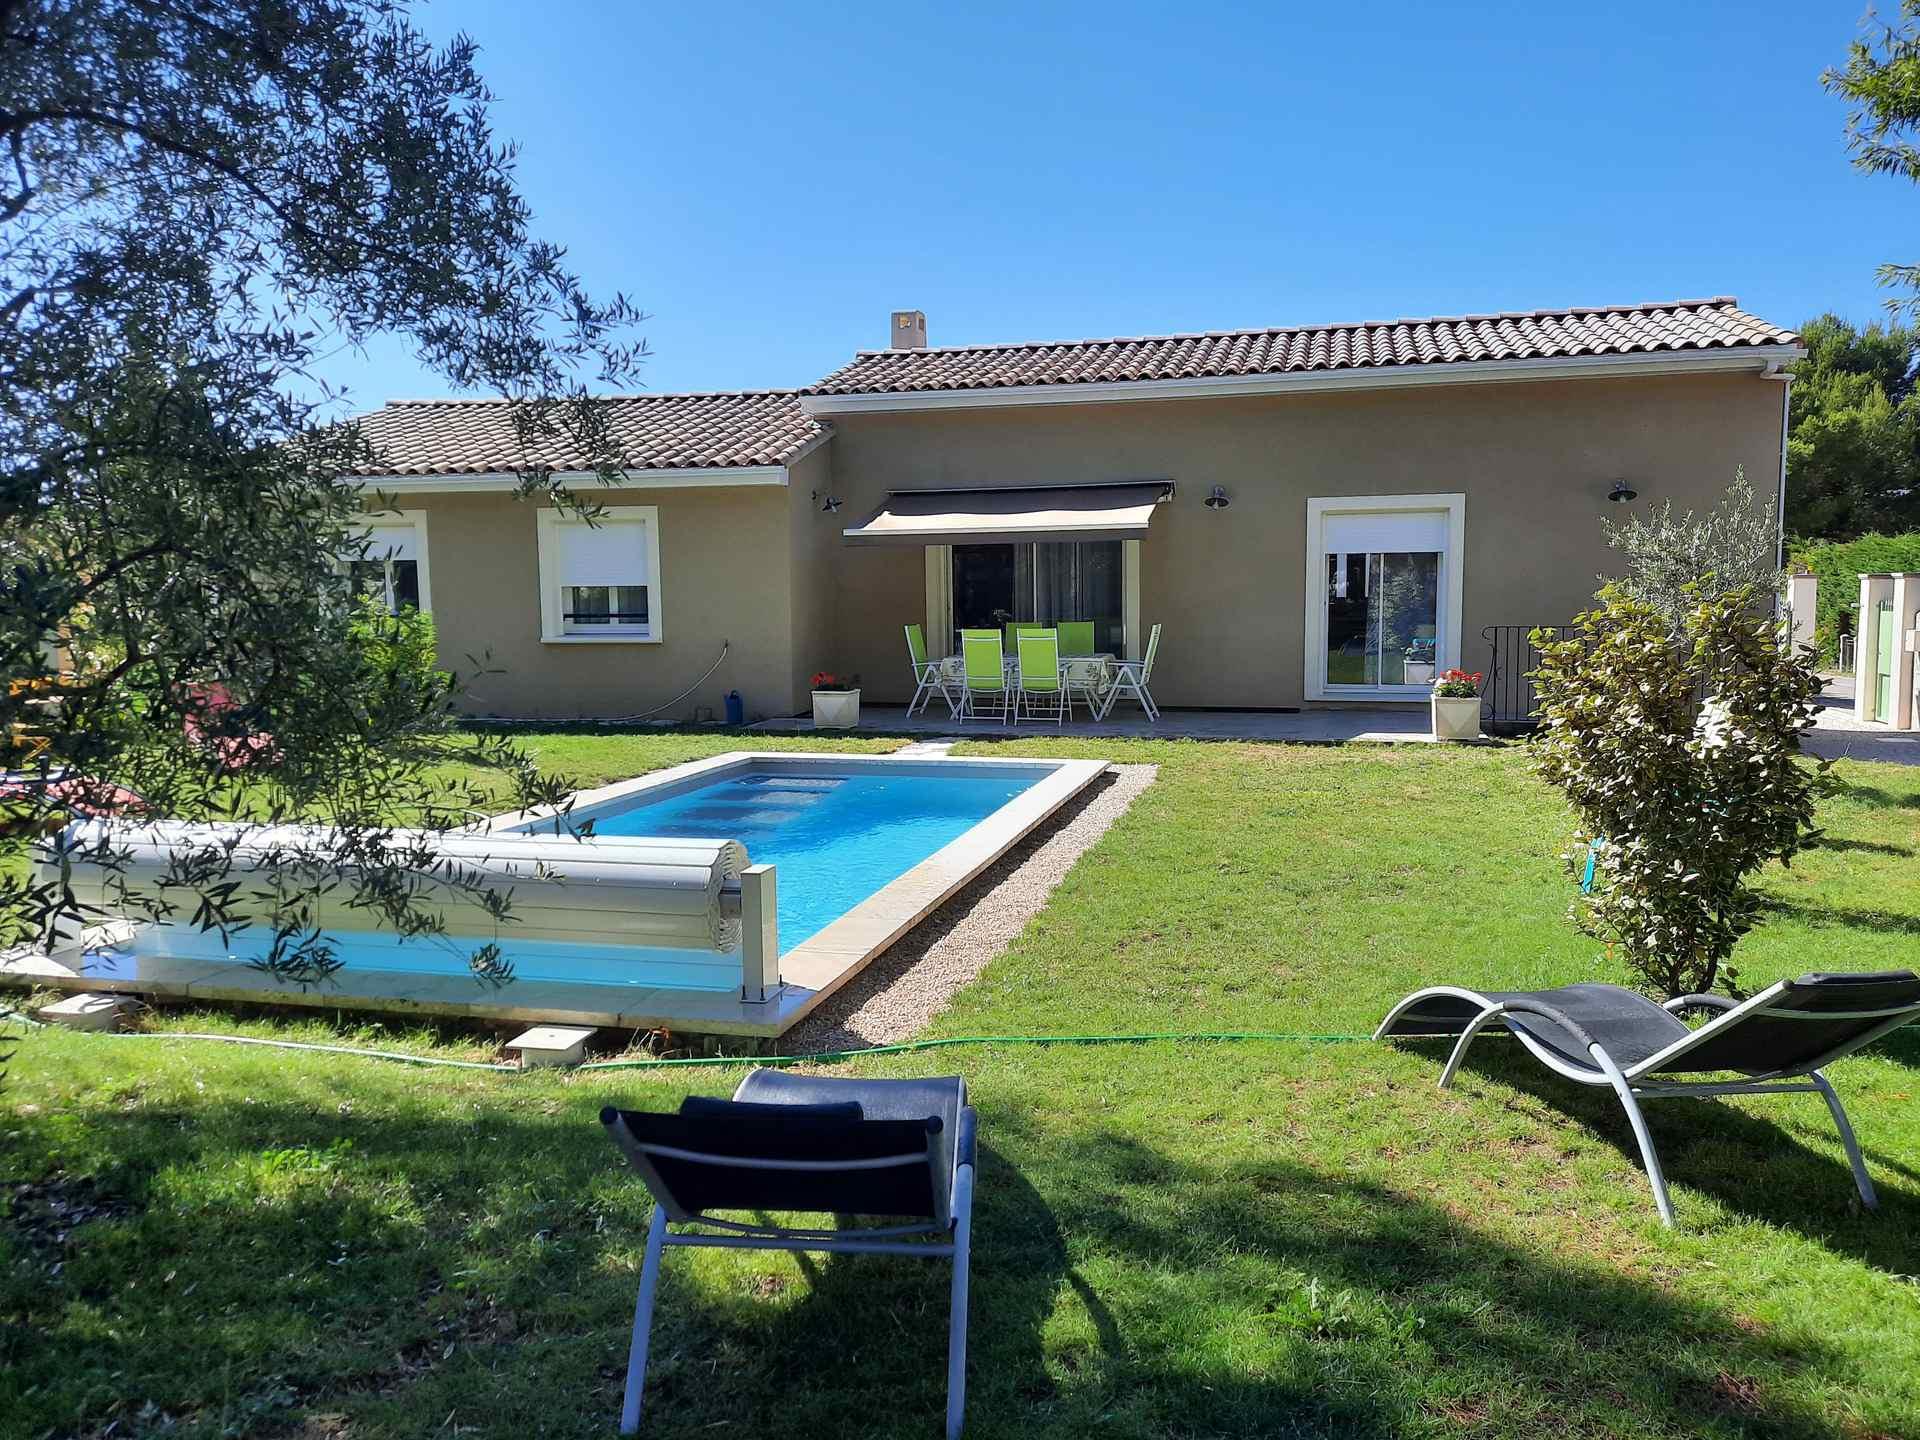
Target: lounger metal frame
(945, 1237)
(1633, 1083)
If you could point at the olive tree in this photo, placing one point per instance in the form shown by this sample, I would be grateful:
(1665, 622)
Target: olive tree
(199, 199)
(1674, 560)
(1678, 750)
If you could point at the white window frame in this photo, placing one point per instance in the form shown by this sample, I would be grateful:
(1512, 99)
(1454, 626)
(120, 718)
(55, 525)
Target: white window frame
(393, 520)
(1452, 588)
(553, 628)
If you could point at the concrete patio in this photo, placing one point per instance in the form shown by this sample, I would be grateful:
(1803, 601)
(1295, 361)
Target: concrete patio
(1838, 735)
(1835, 733)
(1375, 725)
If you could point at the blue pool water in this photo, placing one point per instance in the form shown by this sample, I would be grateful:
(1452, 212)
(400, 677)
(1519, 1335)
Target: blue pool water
(833, 838)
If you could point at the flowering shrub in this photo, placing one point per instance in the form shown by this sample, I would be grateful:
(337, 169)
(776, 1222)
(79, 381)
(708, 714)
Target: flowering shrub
(827, 680)
(1458, 684)
(1686, 799)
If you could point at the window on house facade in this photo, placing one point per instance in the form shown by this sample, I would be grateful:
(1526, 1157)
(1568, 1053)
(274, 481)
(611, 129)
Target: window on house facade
(600, 581)
(393, 568)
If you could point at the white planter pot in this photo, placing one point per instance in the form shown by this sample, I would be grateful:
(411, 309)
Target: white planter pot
(1456, 717)
(836, 709)
(1418, 672)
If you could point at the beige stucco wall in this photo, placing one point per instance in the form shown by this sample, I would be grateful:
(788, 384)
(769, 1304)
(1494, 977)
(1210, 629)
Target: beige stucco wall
(813, 547)
(1534, 460)
(727, 559)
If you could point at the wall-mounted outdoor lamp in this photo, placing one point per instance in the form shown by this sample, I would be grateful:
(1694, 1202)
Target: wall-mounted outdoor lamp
(1217, 500)
(830, 505)
(1621, 492)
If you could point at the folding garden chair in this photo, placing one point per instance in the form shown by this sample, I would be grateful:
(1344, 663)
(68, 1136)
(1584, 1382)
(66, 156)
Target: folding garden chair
(1076, 637)
(1043, 689)
(929, 676)
(1777, 1042)
(1130, 677)
(898, 1149)
(985, 678)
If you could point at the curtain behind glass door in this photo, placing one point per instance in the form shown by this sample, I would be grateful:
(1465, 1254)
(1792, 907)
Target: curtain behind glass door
(1042, 584)
(1081, 580)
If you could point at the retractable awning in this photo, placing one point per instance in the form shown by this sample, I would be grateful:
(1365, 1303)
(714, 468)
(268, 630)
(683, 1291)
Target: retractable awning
(988, 515)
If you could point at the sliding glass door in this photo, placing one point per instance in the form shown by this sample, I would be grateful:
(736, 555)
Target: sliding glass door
(1383, 614)
(1043, 584)
(1390, 576)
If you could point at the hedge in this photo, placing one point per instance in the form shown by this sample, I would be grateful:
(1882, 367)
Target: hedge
(1838, 565)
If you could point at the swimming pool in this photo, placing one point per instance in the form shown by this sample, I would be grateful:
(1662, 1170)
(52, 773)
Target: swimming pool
(836, 837)
(857, 850)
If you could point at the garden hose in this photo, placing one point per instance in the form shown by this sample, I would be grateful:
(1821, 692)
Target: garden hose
(834, 1057)
(824, 1057)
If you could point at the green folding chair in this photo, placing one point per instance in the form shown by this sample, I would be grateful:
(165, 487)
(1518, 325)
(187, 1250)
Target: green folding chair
(1043, 690)
(985, 677)
(1076, 637)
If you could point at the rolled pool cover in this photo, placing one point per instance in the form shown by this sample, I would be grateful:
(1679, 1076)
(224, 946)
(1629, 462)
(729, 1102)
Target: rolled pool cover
(626, 891)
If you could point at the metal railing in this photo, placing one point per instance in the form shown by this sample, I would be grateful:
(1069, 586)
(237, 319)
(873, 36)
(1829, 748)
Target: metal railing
(1506, 692)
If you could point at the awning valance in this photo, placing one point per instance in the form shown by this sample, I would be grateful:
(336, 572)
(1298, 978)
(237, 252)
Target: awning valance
(990, 515)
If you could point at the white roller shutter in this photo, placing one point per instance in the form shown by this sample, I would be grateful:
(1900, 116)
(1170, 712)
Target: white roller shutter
(392, 542)
(612, 553)
(1387, 532)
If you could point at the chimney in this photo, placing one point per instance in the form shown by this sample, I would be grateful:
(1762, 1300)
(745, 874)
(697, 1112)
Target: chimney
(909, 330)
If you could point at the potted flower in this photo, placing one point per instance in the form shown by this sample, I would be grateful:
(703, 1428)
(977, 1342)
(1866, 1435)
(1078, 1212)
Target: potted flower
(836, 701)
(1456, 705)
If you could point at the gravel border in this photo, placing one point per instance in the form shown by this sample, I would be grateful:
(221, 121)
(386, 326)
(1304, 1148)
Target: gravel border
(903, 989)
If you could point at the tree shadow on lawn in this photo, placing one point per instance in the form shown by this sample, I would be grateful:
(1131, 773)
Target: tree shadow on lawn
(1881, 922)
(483, 1271)
(1748, 1160)
(1868, 847)
(1875, 797)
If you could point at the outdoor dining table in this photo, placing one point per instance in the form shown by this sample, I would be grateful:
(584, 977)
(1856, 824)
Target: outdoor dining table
(1084, 674)
(955, 666)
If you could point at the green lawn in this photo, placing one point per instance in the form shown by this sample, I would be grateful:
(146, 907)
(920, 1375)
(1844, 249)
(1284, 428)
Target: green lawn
(1264, 1238)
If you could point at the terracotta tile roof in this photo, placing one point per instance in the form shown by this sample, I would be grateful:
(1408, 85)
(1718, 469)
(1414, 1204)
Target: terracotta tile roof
(656, 432)
(1602, 330)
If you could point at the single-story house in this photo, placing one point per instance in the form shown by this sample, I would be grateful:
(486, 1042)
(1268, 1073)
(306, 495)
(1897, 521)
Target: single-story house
(1313, 515)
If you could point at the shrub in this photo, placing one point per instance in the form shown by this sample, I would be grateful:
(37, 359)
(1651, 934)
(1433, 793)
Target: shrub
(1838, 566)
(1688, 798)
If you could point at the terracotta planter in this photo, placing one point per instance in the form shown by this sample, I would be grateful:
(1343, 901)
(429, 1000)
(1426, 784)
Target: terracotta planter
(1456, 717)
(836, 709)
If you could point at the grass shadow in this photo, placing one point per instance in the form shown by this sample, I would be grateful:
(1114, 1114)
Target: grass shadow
(414, 1271)
(1876, 797)
(1880, 922)
(1864, 847)
(1749, 1161)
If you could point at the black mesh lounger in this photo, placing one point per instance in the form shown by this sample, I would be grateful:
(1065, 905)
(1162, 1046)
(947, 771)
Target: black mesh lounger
(901, 1149)
(1605, 1035)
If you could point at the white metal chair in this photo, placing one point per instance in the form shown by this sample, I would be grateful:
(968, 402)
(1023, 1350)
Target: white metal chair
(930, 676)
(1132, 677)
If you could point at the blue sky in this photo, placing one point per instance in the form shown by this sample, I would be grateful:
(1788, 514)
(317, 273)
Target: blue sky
(769, 181)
